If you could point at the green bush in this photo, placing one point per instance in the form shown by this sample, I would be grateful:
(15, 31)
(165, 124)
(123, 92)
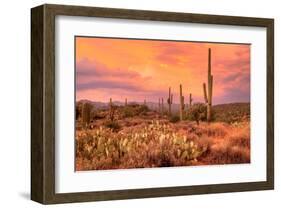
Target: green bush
(197, 112)
(134, 109)
(128, 112)
(143, 109)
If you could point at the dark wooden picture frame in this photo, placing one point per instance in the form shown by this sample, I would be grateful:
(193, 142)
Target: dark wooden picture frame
(43, 103)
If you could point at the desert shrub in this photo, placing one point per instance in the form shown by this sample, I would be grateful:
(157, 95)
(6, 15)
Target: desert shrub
(174, 119)
(132, 110)
(240, 137)
(142, 109)
(98, 115)
(217, 129)
(197, 112)
(93, 113)
(113, 125)
(128, 112)
(228, 155)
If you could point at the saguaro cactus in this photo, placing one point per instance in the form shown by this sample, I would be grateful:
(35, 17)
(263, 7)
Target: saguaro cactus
(144, 102)
(181, 103)
(170, 100)
(162, 106)
(159, 106)
(208, 97)
(126, 102)
(86, 114)
(111, 110)
(190, 100)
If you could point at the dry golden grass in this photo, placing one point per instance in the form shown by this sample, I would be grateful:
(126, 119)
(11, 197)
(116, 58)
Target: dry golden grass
(228, 144)
(148, 144)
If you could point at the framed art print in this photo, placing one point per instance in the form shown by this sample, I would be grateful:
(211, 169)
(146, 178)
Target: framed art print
(135, 104)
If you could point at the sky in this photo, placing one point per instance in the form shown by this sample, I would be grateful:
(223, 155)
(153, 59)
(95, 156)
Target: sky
(145, 69)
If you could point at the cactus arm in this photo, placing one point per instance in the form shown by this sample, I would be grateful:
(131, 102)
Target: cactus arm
(205, 93)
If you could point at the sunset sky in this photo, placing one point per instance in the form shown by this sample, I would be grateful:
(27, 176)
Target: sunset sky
(145, 69)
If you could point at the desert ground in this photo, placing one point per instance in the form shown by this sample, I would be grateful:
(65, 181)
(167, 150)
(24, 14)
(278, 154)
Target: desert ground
(134, 135)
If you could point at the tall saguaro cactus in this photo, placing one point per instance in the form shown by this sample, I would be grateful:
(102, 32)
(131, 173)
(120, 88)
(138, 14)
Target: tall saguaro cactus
(170, 100)
(159, 106)
(181, 103)
(126, 102)
(111, 110)
(86, 114)
(190, 100)
(208, 96)
(162, 106)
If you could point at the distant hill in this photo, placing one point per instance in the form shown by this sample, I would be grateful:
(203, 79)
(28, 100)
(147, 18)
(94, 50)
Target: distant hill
(233, 112)
(150, 105)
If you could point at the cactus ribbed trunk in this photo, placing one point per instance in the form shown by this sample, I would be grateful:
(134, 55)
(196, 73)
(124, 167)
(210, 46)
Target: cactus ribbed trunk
(208, 96)
(181, 103)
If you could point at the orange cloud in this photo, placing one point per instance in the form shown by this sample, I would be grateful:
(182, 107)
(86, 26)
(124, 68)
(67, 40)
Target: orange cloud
(145, 69)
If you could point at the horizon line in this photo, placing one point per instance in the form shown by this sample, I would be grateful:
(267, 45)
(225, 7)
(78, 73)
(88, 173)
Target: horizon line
(157, 102)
